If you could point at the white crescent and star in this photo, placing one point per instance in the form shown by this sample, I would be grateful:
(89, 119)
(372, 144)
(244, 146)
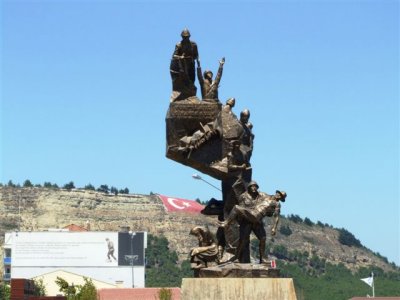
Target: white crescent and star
(174, 204)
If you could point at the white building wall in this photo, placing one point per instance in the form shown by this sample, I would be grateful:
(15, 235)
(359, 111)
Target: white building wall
(110, 275)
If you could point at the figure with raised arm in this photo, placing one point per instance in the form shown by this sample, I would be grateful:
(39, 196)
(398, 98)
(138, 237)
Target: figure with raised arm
(209, 87)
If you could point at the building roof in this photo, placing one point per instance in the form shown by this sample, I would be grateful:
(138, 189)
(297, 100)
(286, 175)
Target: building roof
(74, 227)
(375, 298)
(135, 293)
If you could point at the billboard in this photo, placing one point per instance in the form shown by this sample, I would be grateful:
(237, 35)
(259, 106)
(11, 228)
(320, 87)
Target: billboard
(67, 249)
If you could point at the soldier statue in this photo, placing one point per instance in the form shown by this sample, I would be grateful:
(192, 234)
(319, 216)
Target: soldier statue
(253, 207)
(182, 68)
(209, 87)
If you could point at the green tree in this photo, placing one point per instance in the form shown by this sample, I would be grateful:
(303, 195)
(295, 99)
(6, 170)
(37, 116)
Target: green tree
(103, 188)
(27, 183)
(89, 187)
(40, 288)
(280, 251)
(87, 291)
(124, 191)
(11, 184)
(295, 218)
(69, 186)
(162, 268)
(347, 238)
(4, 291)
(47, 184)
(308, 222)
(164, 294)
(68, 290)
(285, 230)
(113, 190)
(50, 185)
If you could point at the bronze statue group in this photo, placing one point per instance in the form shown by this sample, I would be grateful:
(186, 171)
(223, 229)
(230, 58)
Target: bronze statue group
(232, 139)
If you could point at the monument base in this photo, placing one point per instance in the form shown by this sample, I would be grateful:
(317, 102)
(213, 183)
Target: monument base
(238, 270)
(237, 288)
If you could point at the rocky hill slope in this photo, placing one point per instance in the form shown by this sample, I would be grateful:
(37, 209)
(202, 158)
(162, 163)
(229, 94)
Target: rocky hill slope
(42, 208)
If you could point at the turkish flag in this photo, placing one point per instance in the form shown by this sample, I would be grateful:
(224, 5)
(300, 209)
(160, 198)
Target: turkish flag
(177, 204)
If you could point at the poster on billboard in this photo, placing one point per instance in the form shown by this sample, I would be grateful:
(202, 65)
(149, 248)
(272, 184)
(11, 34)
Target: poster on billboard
(130, 249)
(100, 249)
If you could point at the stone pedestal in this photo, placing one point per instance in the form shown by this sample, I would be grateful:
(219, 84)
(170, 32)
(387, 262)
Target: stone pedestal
(238, 270)
(238, 289)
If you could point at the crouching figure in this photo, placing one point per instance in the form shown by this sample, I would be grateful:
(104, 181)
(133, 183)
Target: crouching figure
(206, 254)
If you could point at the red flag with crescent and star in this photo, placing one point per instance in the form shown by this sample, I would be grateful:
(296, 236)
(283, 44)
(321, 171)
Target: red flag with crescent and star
(173, 204)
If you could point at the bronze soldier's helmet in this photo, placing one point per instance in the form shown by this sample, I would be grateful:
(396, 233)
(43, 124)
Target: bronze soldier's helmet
(231, 102)
(251, 183)
(283, 195)
(206, 72)
(185, 33)
(245, 112)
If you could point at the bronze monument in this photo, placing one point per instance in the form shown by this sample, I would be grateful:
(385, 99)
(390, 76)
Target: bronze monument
(208, 136)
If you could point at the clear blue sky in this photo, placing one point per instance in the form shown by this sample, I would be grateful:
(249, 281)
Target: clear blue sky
(86, 87)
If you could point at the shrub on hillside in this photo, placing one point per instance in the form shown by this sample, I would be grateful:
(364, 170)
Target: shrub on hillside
(114, 190)
(295, 218)
(348, 239)
(69, 186)
(285, 230)
(308, 222)
(280, 252)
(103, 188)
(11, 184)
(89, 187)
(27, 183)
(124, 191)
(50, 185)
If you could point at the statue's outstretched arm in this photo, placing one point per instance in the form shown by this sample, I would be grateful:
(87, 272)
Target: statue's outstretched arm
(276, 219)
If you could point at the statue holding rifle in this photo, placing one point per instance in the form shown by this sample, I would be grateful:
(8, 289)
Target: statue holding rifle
(182, 68)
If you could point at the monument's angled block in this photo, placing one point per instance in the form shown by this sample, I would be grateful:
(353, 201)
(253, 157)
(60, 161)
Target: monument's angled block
(192, 138)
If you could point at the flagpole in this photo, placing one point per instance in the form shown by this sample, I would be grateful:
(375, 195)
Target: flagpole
(373, 285)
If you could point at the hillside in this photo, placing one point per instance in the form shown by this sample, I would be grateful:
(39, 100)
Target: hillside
(43, 208)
